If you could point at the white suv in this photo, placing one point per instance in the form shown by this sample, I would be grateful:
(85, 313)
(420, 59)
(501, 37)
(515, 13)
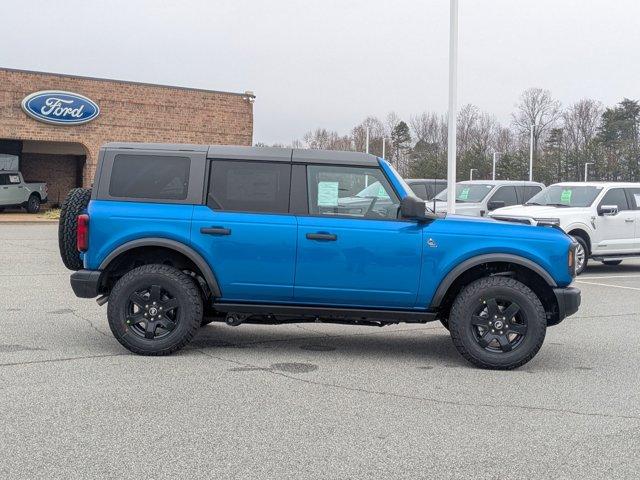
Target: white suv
(604, 218)
(476, 198)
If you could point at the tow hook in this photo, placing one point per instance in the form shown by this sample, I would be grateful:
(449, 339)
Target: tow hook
(102, 299)
(234, 319)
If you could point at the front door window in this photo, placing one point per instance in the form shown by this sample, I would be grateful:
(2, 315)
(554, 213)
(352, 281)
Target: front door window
(351, 192)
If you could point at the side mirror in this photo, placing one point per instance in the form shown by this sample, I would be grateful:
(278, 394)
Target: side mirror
(495, 204)
(608, 210)
(415, 209)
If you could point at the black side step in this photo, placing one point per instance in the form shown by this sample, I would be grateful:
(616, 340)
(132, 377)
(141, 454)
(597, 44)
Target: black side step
(344, 313)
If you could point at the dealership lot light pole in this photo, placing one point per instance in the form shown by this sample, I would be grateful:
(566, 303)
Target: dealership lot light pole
(586, 170)
(495, 159)
(533, 126)
(471, 173)
(453, 92)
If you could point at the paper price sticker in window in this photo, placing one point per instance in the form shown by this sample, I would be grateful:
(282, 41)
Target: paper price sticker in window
(565, 196)
(328, 194)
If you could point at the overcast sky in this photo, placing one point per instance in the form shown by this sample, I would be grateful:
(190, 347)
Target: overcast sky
(330, 63)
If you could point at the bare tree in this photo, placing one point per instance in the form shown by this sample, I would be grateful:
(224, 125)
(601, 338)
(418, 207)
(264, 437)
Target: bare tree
(324, 139)
(536, 107)
(581, 122)
(466, 123)
(376, 133)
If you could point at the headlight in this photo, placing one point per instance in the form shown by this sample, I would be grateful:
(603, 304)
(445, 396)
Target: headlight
(554, 222)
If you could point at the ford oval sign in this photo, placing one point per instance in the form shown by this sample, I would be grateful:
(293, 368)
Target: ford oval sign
(60, 108)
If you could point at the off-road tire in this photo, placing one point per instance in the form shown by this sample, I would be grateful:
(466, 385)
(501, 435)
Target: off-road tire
(189, 309)
(461, 327)
(612, 263)
(583, 244)
(33, 204)
(76, 203)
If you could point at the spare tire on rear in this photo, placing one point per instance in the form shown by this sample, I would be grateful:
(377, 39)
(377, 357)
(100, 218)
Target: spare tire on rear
(76, 203)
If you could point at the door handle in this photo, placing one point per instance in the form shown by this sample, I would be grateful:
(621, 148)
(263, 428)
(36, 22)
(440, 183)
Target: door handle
(329, 237)
(628, 220)
(215, 231)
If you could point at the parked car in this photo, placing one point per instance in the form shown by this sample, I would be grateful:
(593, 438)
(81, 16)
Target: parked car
(175, 236)
(426, 188)
(478, 197)
(604, 218)
(15, 192)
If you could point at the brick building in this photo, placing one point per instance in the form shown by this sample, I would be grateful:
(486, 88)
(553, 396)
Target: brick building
(64, 155)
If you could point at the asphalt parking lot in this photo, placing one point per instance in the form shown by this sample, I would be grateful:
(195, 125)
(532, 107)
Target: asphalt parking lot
(307, 401)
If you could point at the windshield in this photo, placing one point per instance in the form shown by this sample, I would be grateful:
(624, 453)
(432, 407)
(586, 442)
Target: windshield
(563, 196)
(374, 190)
(467, 193)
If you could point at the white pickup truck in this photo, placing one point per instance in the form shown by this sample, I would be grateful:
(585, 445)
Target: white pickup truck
(15, 192)
(603, 217)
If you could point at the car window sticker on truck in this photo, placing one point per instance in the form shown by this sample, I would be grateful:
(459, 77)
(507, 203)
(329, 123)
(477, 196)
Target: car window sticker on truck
(565, 196)
(464, 194)
(328, 194)
(14, 179)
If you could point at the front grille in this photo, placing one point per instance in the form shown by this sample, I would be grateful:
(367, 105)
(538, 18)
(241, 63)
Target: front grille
(524, 221)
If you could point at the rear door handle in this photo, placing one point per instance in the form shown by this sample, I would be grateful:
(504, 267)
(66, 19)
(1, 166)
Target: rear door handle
(629, 220)
(329, 237)
(215, 231)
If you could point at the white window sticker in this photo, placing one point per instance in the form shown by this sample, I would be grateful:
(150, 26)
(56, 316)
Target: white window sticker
(14, 179)
(636, 196)
(328, 194)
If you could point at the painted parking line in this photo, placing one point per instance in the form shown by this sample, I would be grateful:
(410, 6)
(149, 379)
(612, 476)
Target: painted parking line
(607, 285)
(602, 277)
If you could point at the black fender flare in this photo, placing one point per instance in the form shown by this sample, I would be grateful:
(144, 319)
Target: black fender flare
(487, 258)
(179, 247)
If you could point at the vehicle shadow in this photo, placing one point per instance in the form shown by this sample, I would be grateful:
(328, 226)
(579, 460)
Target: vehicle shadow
(411, 344)
(624, 267)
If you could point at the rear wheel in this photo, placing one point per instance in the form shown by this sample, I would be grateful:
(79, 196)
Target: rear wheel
(33, 204)
(154, 310)
(582, 254)
(612, 262)
(498, 323)
(76, 203)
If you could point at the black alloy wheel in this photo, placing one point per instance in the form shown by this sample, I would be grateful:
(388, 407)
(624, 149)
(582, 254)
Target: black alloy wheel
(155, 309)
(152, 312)
(497, 322)
(498, 325)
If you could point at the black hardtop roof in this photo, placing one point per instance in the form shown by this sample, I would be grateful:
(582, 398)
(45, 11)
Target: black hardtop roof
(273, 154)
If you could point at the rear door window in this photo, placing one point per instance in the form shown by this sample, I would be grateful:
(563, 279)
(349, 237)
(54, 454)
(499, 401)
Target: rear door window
(156, 177)
(244, 186)
(506, 194)
(525, 193)
(634, 197)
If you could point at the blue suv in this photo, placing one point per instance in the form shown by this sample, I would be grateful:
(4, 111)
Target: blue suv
(175, 236)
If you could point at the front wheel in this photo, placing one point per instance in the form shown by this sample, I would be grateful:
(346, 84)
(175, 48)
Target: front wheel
(582, 254)
(154, 310)
(498, 323)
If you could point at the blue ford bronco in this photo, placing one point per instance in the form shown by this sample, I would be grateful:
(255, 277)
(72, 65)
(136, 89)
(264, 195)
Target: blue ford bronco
(173, 237)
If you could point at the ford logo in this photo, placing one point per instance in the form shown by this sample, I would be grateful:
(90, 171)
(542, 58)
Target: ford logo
(60, 108)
